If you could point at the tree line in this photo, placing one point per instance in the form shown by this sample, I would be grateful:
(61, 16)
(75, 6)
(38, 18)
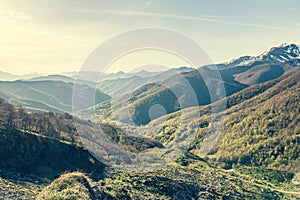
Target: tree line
(49, 124)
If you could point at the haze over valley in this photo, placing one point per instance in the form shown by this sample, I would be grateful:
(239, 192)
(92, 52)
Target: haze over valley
(149, 100)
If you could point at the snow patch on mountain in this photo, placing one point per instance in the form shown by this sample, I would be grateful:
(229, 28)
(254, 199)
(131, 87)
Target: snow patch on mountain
(283, 53)
(240, 61)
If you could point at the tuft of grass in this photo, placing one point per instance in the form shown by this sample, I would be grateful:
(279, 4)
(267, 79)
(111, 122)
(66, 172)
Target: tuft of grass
(73, 186)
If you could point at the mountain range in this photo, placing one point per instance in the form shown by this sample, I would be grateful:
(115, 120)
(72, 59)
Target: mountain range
(190, 89)
(236, 75)
(46, 95)
(240, 143)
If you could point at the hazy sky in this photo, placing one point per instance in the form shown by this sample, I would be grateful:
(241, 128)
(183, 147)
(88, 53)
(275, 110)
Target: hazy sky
(58, 35)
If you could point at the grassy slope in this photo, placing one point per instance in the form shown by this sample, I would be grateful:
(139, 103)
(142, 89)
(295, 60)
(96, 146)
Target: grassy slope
(29, 153)
(188, 178)
(30, 104)
(264, 130)
(261, 126)
(69, 186)
(53, 96)
(177, 92)
(192, 178)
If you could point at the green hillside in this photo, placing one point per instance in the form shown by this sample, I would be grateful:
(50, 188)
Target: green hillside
(47, 144)
(178, 92)
(186, 90)
(29, 153)
(264, 130)
(129, 82)
(255, 159)
(41, 144)
(260, 126)
(253, 155)
(69, 186)
(262, 73)
(187, 178)
(46, 95)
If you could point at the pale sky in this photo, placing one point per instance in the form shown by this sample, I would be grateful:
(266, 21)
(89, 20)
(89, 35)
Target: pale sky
(58, 35)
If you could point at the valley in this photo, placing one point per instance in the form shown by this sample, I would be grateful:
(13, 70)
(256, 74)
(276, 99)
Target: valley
(240, 144)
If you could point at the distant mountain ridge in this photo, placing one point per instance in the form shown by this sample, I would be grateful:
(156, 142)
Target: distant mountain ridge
(236, 74)
(285, 53)
(5, 76)
(243, 60)
(234, 77)
(132, 81)
(46, 95)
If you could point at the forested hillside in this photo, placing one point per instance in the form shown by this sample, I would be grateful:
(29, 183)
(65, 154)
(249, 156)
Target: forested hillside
(260, 126)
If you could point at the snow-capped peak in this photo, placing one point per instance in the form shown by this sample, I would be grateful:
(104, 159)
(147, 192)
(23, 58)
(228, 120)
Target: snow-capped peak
(283, 53)
(244, 60)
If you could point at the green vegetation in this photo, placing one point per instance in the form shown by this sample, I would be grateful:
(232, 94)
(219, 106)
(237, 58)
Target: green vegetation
(175, 93)
(275, 178)
(261, 73)
(260, 126)
(41, 156)
(55, 96)
(188, 178)
(123, 83)
(128, 142)
(47, 144)
(185, 90)
(254, 156)
(264, 131)
(69, 186)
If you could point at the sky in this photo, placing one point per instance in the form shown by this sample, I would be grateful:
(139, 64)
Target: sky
(57, 36)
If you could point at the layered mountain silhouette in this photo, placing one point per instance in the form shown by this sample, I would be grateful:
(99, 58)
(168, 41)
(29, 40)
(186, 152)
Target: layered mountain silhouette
(260, 126)
(46, 95)
(236, 124)
(195, 88)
